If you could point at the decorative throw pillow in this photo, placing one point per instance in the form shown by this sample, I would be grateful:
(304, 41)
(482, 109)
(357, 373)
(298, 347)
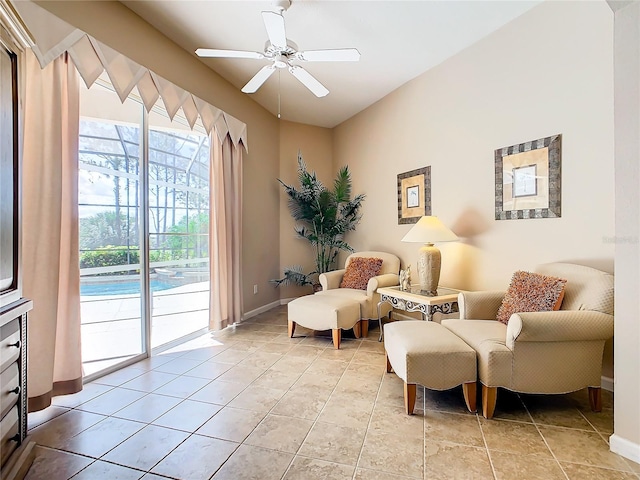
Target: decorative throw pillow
(359, 271)
(531, 292)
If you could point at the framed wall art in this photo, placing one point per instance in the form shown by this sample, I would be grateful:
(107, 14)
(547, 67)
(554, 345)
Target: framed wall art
(414, 195)
(528, 179)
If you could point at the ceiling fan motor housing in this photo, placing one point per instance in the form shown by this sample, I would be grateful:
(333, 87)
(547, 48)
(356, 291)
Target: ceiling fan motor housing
(281, 5)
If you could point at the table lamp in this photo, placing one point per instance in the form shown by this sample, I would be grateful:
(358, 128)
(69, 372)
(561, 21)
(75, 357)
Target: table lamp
(429, 230)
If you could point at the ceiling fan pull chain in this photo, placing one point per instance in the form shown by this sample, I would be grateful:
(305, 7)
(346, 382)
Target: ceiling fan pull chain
(279, 93)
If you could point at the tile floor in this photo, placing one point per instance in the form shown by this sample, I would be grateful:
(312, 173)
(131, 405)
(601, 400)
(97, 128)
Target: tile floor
(250, 403)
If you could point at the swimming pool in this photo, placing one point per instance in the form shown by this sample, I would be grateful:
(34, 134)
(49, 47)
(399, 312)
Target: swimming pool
(120, 288)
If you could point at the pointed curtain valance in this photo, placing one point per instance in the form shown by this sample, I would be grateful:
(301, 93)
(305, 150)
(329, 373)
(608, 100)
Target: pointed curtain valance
(53, 36)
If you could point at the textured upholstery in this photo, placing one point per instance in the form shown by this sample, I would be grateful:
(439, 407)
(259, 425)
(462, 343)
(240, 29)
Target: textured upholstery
(367, 299)
(531, 292)
(428, 354)
(589, 289)
(326, 313)
(541, 352)
(359, 271)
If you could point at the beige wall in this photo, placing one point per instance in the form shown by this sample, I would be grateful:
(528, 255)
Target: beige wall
(315, 144)
(120, 28)
(534, 78)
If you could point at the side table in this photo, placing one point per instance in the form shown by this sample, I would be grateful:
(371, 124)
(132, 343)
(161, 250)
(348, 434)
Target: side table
(414, 300)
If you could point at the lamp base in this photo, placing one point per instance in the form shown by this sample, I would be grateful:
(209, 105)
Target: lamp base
(429, 260)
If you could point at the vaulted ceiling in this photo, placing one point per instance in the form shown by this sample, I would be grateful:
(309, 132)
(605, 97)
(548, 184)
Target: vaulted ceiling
(397, 40)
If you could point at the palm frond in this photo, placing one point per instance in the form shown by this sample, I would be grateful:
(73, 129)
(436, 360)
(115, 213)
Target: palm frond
(293, 276)
(342, 185)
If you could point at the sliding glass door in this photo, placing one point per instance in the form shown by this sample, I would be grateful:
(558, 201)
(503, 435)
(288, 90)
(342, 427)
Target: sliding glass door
(178, 228)
(109, 229)
(144, 219)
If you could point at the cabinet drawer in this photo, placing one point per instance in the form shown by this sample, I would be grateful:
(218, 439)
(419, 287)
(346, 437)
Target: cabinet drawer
(8, 434)
(10, 389)
(9, 343)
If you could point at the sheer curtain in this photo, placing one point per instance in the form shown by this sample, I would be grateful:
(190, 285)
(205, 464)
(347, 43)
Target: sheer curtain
(225, 232)
(51, 276)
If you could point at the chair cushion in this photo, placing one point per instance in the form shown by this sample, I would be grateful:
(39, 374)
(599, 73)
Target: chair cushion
(359, 271)
(359, 296)
(531, 292)
(488, 339)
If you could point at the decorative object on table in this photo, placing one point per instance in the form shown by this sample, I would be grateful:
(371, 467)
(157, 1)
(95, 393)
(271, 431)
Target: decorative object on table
(324, 217)
(414, 195)
(429, 230)
(405, 278)
(528, 179)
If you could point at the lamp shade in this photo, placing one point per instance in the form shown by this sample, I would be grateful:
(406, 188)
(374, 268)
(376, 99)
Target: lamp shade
(429, 230)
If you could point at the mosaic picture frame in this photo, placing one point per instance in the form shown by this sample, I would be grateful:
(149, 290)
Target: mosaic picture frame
(536, 169)
(414, 195)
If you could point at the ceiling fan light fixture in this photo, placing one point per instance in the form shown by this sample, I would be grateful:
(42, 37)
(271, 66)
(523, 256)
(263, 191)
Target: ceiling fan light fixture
(280, 61)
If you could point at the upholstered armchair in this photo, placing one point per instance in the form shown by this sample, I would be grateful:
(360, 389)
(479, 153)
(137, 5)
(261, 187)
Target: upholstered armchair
(368, 299)
(547, 352)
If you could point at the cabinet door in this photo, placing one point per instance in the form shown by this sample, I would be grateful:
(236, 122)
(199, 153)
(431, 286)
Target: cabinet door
(10, 394)
(9, 437)
(9, 344)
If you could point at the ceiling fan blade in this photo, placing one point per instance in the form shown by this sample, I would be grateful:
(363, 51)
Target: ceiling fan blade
(274, 23)
(335, 55)
(213, 53)
(308, 81)
(258, 79)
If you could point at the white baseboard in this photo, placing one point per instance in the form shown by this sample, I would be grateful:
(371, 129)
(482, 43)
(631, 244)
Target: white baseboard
(258, 311)
(624, 447)
(606, 383)
(284, 301)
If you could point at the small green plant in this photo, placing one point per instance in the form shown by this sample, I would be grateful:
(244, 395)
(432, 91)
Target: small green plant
(324, 217)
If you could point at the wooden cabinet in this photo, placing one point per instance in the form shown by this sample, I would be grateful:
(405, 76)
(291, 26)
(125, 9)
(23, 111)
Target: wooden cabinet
(16, 451)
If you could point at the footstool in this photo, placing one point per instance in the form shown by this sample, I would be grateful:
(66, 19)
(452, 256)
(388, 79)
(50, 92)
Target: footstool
(428, 354)
(325, 312)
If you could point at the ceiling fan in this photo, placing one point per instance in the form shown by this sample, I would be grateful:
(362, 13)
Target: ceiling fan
(283, 53)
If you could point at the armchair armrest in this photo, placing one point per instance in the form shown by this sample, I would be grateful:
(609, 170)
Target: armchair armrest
(559, 326)
(331, 280)
(480, 305)
(385, 280)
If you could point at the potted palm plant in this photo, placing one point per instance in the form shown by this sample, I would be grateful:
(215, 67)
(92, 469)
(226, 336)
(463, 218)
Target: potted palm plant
(323, 218)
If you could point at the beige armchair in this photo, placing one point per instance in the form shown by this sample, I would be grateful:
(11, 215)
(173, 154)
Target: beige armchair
(368, 299)
(542, 352)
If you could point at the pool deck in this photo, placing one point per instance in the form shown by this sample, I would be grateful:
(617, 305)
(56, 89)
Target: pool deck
(112, 328)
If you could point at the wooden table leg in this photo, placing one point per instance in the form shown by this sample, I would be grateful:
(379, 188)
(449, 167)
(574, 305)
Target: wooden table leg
(364, 327)
(489, 397)
(337, 336)
(292, 328)
(469, 390)
(409, 397)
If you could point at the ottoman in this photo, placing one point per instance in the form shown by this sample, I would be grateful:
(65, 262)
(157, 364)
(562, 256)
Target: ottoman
(325, 312)
(428, 354)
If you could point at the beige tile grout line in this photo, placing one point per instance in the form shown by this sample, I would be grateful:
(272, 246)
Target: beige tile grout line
(95, 459)
(535, 424)
(320, 413)
(366, 433)
(486, 446)
(190, 434)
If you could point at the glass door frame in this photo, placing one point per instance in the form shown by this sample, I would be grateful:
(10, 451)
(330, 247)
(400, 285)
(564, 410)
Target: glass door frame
(145, 268)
